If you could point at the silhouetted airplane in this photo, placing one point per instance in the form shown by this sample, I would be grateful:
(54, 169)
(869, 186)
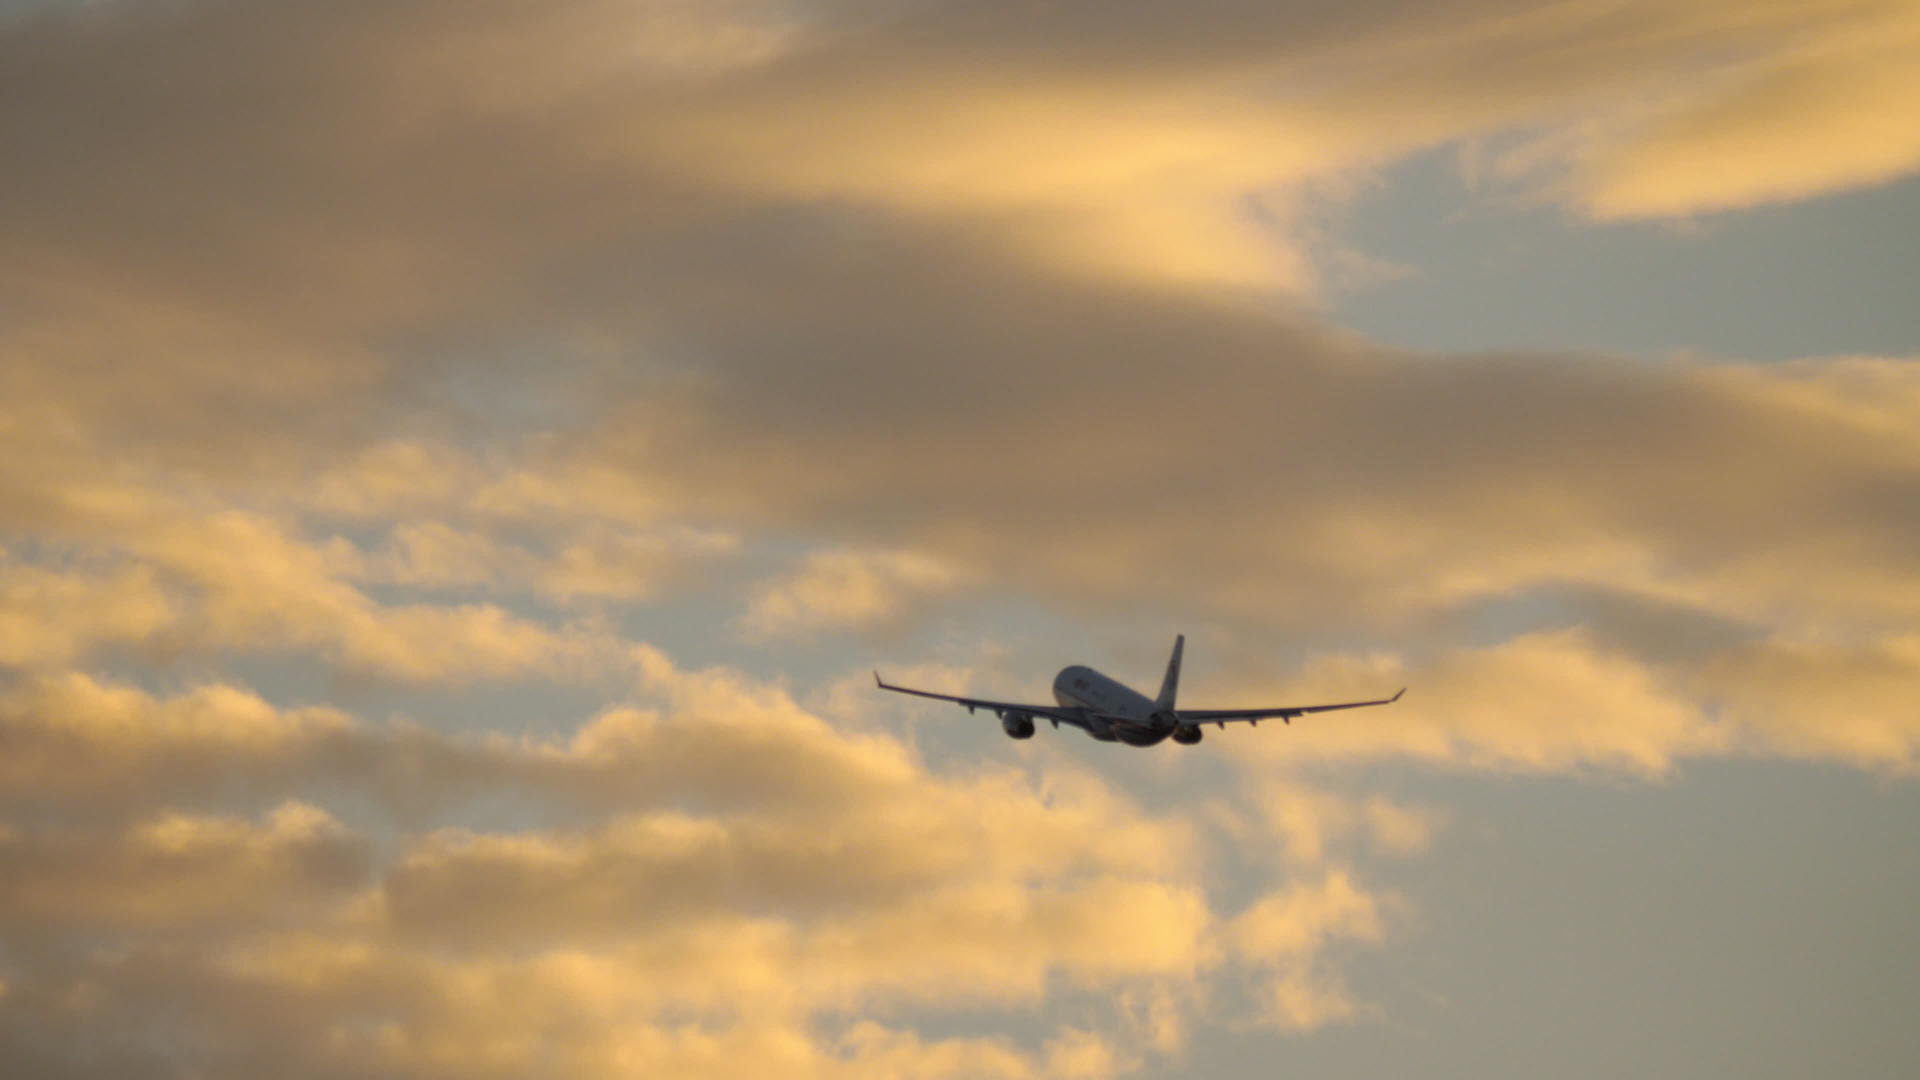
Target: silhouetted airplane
(1112, 712)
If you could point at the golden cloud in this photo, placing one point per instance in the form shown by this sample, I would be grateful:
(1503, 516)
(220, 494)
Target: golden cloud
(332, 198)
(49, 618)
(1313, 824)
(180, 871)
(233, 580)
(1829, 101)
(1549, 701)
(845, 588)
(1286, 931)
(1845, 699)
(715, 910)
(366, 337)
(740, 385)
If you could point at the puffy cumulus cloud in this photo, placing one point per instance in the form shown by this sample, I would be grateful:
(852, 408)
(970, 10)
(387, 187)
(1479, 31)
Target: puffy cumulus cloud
(225, 579)
(964, 853)
(75, 742)
(768, 890)
(180, 871)
(50, 617)
(845, 588)
(1314, 824)
(494, 1024)
(396, 563)
(78, 742)
(259, 585)
(1283, 941)
(1296, 921)
(1285, 931)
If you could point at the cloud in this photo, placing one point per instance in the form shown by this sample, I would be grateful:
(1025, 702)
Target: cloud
(752, 169)
(418, 341)
(602, 564)
(49, 618)
(1313, 824)
(1832, 104)
(1847, 700)
(764, 271)
(788, 314)
(712, 911)
(1562, 701)
(78, 743)
(233, 580)
(1272, 472)
(1284, 931)
(179, 871)
(371, 174)
(1541, 702)
(845, 589)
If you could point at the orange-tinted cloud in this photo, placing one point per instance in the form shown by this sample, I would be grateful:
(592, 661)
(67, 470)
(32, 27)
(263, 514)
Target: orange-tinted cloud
(845, 588)
(761, 874)
(806, 268)
(411, 340)
(180, 871)
(1848, 700)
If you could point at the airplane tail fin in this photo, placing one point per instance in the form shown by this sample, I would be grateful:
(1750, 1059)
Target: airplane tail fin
(1170, 686)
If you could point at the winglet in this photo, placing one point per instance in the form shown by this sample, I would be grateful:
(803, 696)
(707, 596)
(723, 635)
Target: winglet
(1390, 700)
(878, 681)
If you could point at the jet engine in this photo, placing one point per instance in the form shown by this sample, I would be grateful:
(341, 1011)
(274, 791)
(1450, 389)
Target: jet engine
(1017, 725)
(1186, 736)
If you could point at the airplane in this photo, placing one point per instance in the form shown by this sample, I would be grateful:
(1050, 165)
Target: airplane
(1112, 712)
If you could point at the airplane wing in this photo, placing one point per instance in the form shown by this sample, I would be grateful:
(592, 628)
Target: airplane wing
(1226, 716)
(1076, 717)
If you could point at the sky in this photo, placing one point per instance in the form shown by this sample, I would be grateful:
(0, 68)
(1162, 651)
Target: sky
(461, 462)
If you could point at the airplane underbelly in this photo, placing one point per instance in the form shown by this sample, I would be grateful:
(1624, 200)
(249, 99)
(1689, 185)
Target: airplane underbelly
(1141, 736)
(1109, 731)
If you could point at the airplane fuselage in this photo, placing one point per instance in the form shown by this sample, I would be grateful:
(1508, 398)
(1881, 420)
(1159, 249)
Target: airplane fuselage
(1080, 687)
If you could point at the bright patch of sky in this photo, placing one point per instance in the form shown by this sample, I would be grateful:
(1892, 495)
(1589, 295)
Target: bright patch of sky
(1747, 921)
(1827, 277)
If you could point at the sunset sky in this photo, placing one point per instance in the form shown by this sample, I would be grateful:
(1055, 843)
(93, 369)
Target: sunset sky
(461, 461)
